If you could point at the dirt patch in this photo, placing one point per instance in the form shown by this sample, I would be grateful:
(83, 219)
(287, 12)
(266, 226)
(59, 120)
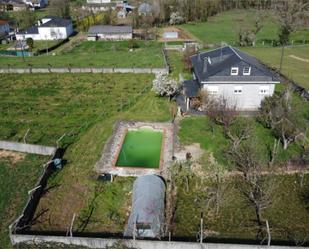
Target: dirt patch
(299, 58)
(13, 157)
(194, 149)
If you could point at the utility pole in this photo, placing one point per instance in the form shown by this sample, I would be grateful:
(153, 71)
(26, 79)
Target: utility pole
(281, 60)
(201, 228)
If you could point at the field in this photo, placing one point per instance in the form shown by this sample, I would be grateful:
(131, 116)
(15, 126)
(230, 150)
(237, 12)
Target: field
(100, 207)
(53, 105)
(295, 62)
(96, 54)
(225, 26)
(18, 174)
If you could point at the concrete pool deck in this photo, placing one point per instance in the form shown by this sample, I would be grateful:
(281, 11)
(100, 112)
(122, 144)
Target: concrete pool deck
(107, 163)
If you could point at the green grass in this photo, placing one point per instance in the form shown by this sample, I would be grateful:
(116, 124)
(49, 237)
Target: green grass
(287, 215)
(213, 140)
(15, 181)
(225, 26)
(53, 105)
(175, 59)
(96, 54)
(78, 191)
(292, 68)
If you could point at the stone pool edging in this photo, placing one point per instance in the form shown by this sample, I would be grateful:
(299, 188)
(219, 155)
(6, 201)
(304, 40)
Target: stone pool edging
(108, 160)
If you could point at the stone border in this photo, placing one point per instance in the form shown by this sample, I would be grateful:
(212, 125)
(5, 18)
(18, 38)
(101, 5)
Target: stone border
(106, 165)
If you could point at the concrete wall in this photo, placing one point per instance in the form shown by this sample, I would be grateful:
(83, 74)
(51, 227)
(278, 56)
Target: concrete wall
(115, 37)
(27, 148)
(85, 70)
(141, 244)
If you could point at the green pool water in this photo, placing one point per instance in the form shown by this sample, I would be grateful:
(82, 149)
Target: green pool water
(141, 148)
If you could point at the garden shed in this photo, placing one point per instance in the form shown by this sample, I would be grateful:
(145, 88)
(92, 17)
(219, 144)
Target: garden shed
(148, 208)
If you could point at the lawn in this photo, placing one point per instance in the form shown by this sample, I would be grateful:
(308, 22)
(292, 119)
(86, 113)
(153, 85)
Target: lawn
(100, 207)
(18, 174)
(235, 218)
(86, 108)
(96, 54)
(295, 62)
(177, 68)
(53, 105)
(224, 27)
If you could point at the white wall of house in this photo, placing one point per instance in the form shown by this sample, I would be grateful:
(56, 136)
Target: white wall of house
(98, 1)
(115, 37)
(55, 33)
(244, 96)
(48, 33)
(20, 37)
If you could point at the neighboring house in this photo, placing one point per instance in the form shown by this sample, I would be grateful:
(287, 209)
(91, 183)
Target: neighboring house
(98, 1)
(49, 28)
(36, 3)
(12, 5)
(110, 32)
(4, 26)
(6, 34)
(145, 9)
(230, 74)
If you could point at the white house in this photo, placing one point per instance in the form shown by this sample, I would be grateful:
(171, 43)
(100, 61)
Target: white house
(230, 74)
(36, 3)
(110, 32)
(98, 1)
(49, 28)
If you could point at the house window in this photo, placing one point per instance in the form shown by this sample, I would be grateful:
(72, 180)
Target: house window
(238, 90)
(212, 89)
(234, 71)
(264, 90)
(246, 71)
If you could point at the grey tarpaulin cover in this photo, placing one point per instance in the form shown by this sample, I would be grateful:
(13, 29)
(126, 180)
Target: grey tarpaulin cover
(147, 213)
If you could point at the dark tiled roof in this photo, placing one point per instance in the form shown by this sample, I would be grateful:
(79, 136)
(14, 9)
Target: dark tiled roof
(191, 88)
(224, 58)
(56, 22)
(31, 30)
(109, 29)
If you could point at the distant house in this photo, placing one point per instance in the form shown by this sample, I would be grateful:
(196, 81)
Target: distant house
(4, 26)
(49, 28)
(98, 1)
(12, 5)
(36, 3)
(110, 32)
(230, 74)
(145, 9)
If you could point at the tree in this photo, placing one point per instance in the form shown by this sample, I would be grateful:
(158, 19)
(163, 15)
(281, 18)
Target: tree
(162, 85)
(60, 8)
(291, 14)
(25, 19)
(257, 188)
(221, 112)
(278, 113)
(187, 58)
(30, 43)
(176, 18)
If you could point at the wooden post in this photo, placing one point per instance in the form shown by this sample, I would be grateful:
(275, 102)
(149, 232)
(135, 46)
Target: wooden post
(71, 226)
(281, 60)
(134, 230)
(268, 233)
(201, 228)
